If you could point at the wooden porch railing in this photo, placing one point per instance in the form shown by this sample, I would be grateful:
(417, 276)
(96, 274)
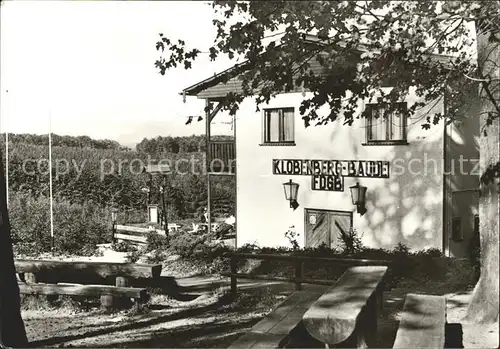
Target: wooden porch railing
(221, 156)
(298, 262)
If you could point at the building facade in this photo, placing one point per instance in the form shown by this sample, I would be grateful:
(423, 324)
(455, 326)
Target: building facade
(421, 184)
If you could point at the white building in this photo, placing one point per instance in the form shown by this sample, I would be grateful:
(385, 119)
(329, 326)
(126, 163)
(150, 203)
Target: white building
(421, 184)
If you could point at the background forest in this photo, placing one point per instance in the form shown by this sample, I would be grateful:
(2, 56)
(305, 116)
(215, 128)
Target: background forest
(88, 181)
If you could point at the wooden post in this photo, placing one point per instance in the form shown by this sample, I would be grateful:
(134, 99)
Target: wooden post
(136, 305)
(373, 313)
(121, 281)
(208, 163)
(164, 209)
(30, 278)
(107, 301)
(234, 279)
(298, 274)
(380, 300)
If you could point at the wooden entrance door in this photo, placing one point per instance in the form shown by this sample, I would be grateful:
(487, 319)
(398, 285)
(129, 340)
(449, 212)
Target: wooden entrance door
(325, 226)
(464, 223)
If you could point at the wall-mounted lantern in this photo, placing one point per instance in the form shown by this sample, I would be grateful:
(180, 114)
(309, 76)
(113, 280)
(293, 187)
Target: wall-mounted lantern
(358, 195)
(291, 191)
(114, 216)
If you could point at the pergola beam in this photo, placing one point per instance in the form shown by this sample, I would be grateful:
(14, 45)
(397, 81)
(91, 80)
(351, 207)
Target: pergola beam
(214, 112)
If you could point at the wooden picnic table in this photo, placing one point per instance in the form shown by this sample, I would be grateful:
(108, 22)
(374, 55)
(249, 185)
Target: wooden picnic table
(423, 322)
(348, 310)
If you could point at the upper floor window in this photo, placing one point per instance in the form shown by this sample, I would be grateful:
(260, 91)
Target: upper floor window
(386, 125)
(278, 128)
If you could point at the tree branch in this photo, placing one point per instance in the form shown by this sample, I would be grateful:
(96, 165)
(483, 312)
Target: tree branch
(444, 33)
(475, 79)
(491, 97)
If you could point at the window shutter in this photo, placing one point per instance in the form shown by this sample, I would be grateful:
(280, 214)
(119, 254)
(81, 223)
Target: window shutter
(288, 125)
(274, 126)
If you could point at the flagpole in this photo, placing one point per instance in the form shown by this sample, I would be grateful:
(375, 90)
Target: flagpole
(7, 156)
(50, 185)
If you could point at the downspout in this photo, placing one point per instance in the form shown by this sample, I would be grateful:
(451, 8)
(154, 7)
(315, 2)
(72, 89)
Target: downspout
(445, 230)
(235, 185)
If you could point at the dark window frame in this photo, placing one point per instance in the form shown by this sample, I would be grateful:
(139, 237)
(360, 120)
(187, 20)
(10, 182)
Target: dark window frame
(266, 129)
(401, 107)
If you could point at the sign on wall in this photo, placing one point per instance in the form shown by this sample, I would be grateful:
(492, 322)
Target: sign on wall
(328, 175)
(312, 219)
(153, 213)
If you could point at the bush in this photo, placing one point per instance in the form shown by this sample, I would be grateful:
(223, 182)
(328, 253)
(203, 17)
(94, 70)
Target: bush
(474, 252)
(123, 246)
(156, 242)
(419, 268)
(185, 244)
(292, 236)
(224, 230)
(350, 241)
(78, 228)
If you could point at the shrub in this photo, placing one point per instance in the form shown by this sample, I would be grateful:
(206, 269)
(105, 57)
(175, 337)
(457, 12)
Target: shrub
(185, 244)
(123, 246)
(78, 228)
(224, 230)
(156, 242)
(133, 256)
(416, 268)
(350, 241)
(474, 252)
(292, 235)
(30, 223)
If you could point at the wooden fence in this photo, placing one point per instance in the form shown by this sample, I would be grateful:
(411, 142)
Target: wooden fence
(298, 263)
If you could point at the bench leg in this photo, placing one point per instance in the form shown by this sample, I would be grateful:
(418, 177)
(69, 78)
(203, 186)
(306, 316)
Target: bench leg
(30, 278)
(380, 301)
(371, 318)
(107, 301)
(365, 334)
(137, 305)
(361, 340)
(121, 281)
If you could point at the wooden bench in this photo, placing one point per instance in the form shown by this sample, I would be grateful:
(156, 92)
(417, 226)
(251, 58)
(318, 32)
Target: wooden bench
(31, 267)
(136, 235)
(139, 235)
(173, 227)
(346, 314)
(273, 331)
(422, 323)
(108, 294)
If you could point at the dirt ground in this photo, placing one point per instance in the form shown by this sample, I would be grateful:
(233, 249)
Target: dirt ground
(205, 319)
(198, 314)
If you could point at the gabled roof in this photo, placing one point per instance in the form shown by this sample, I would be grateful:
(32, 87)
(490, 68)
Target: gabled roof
(229, 78)
(193, 90)
(230, 74)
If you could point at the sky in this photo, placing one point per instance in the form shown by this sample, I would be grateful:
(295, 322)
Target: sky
(89, 65)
